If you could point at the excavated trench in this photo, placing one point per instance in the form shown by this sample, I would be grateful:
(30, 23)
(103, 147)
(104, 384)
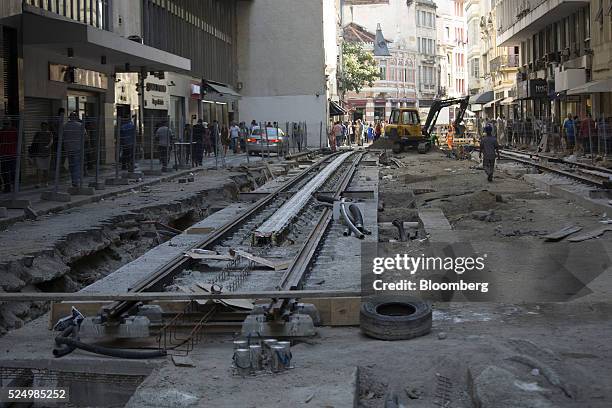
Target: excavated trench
(86, 256)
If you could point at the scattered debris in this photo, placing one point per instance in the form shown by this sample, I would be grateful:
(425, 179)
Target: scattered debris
(309, 398)
(276, 265)
(441, 335)
(562, 233)
(182, 361)
(594, 233)
(412, 393)
(488, 216)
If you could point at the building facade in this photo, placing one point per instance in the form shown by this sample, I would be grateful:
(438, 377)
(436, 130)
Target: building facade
(556, 55)
(287, 57)
(103, 59)
(452, 47)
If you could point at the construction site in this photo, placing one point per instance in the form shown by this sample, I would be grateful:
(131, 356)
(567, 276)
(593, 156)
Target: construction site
(246, 287)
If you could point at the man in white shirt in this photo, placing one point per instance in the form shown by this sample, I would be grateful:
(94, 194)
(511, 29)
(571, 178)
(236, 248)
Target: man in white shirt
(165, 138)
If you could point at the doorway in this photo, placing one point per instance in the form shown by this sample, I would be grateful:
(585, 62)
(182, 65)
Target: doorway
(86, 105)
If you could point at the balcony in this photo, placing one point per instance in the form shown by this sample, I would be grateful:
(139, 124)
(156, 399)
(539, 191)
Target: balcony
(518, 20)
(504, 62)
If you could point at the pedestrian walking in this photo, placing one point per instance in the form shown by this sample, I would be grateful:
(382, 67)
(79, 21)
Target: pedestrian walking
(489, 149)
(8, 155)
(55, 126)
(198, 143)
(74, 131)
(587, 131)
(336, 132)
(165, 138)
(377, 131)
(127, 138)
(234, 138)
(569, 130)
(243, 134)
(370, 133)
(187, 138)
(225, 139)
(40, 153)
(215, 136)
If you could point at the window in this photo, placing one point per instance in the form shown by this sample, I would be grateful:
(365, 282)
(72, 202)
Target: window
(410, 118)
(425, 19)
(383, 70)
(394, 118)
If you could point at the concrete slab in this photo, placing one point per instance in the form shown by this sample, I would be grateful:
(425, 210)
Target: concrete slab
(575, 192)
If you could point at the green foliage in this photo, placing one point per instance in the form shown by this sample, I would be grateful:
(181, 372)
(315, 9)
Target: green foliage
(359, 68)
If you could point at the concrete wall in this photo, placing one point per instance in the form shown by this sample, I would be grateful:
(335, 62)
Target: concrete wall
(127, 18)
(281, 61)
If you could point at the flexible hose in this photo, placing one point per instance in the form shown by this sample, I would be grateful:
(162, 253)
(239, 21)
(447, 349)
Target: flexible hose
(349, 222)
(61, 350)
(357, 218)
(400, 228)
(111, 352)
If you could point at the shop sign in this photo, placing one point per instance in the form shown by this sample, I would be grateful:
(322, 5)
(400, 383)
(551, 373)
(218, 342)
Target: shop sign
(196, 91)
(156, 93)
(78, 76)
(538, 89)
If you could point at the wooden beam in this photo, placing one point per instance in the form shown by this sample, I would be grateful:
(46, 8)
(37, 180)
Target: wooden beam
(165, 296)
(334, 311)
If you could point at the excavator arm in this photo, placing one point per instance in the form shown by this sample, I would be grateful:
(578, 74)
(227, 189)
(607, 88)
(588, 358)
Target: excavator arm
(437, 106)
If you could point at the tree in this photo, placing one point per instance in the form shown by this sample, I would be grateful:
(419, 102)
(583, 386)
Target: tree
(359, 68)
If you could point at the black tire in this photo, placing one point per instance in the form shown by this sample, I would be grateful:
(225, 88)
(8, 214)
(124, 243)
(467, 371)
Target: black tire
(394, 318)
(397, 147)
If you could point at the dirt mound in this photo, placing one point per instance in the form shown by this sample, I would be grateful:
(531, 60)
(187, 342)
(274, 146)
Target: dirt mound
(381, 143)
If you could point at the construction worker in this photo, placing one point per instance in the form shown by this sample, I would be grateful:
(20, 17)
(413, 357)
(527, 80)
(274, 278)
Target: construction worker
(489, 148)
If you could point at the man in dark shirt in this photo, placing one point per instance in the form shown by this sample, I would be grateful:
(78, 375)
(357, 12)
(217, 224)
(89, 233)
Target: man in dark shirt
(489, 149)
(198, 143)
(8, 155)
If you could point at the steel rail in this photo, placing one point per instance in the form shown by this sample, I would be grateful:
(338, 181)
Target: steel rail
(294, 275)
(168, 296)
(561, 172)
(162, 275)
(554, 159)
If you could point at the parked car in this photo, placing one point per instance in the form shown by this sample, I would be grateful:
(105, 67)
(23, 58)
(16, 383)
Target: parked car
(268, 140)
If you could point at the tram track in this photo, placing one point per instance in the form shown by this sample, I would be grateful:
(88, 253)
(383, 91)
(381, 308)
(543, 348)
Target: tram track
(299, 244)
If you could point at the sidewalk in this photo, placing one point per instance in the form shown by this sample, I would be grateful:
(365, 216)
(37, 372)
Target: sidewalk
(42, 207)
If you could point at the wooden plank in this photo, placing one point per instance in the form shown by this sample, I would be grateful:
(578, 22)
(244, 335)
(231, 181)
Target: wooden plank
(340, 311)
(277, 265)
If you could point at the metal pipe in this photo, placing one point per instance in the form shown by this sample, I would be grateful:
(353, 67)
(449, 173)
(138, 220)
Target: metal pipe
(351, 226)
(400, 228)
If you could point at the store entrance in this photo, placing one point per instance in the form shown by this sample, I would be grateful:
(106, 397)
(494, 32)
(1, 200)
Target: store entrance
(86, 105)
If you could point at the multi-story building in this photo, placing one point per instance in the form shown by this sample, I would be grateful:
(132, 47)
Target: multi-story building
(472, 15)
(287, 55)
(396, 85)
(556, 54)
(410, 76)
(452, 41)
(428, 59)
(107, 58)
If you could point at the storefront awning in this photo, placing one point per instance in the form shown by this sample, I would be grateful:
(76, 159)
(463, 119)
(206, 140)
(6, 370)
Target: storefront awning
(335, 109)
(490, 104)
(592, 87)
(482, 98)
(508, 101)
(223, 90)
(57, 34)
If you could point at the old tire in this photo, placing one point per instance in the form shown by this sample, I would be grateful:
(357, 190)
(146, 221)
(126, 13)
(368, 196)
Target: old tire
(394, 318)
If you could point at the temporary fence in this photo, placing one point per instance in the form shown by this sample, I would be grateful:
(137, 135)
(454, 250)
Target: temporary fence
(58, 156)
(583, 136)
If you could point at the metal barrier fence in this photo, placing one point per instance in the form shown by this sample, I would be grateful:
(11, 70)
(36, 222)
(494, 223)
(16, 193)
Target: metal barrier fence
(58, 156)
(580, 136)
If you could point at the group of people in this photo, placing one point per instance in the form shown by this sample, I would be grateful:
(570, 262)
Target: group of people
(42, 150)
(355, 133)
(578, 135)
